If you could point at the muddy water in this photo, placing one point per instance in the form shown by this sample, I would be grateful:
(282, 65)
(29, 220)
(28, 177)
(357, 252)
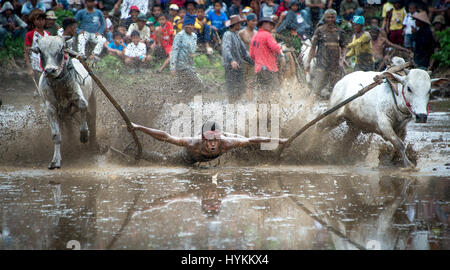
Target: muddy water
(228, 208)
(245, 203)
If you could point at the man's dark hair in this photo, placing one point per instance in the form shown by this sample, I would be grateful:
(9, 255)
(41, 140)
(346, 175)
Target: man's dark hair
(156, 5)
(162, 15)
(68, 22)
(117, 34)
(201, 7)
(135, 33)
(218, 1)
(90, 1)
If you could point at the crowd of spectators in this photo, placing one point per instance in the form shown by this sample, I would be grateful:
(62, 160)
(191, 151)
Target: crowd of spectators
(242, 31)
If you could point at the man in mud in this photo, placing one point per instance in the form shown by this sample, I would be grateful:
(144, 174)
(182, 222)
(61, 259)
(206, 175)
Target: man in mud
(328, 46)
(208, 146)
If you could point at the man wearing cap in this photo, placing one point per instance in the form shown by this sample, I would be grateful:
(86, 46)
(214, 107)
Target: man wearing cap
(142, 6)
(141, 28)
(246, 36)
(328, 47)
(264, 51)
(208, 146)
(233, 54)
(50, 23)
(92, 26)
(361, 46)
(423, 39)
(10, 23)
(182, 57)
(134, 13)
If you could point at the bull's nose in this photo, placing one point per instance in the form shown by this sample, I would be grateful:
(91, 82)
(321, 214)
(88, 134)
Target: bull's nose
(421, 118)
(50, 70)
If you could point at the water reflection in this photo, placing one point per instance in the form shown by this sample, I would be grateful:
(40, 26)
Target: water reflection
(226, 208)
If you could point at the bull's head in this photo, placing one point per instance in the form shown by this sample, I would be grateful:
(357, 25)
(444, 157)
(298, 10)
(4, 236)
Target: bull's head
(415, 90)
(52, 53)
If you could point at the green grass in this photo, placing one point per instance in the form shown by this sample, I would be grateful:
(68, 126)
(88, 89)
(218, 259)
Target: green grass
(13, 49)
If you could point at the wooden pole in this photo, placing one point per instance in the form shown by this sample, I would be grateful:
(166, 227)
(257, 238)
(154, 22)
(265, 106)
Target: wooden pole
(377, 80)
(112, 100)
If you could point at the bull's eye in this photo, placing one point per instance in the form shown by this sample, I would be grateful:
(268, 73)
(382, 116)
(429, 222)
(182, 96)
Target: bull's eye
(409, 89)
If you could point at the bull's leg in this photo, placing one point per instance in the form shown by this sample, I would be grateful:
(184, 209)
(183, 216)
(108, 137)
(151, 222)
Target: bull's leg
(56, 137)
(91, 120)
(388, 133)
(82, 103)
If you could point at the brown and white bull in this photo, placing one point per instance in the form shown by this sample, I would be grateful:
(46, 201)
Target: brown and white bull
(66, 89)
(383, 110)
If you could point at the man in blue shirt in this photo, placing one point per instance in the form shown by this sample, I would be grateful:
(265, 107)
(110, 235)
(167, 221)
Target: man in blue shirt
(218, 18)
(31, 5)
(92, 26)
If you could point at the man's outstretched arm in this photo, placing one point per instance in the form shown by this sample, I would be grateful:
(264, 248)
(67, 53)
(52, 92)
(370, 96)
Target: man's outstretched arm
(242, 142)
(162, 136)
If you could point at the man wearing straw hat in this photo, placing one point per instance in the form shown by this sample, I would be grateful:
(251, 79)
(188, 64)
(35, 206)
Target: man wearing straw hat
(50, 23)
(424, 42)
(233, 54)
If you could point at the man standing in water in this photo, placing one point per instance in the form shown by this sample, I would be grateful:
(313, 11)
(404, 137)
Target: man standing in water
(208, 146)
(330, 43)
(246, 36)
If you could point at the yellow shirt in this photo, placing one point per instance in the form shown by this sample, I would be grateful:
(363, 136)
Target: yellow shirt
(198, 26)
(360, 46)
(178, 26)
(397, 19)
(385, 7)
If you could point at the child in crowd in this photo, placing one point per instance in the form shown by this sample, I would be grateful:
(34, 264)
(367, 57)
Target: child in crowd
(117, 47)
(164, 38)
(408, 24)
(173, 12)
(268, 9)
(136, 53)
(203, 29)
(109, 28)
(178, 20)
(156, 12)
(218, 18)
(141, 28)
(395, 32)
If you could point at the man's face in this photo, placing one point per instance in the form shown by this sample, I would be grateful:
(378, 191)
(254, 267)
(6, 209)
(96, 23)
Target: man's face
(172, 12)
(135, 39)
(217, 7)
(72, 30)
(189, 28)
(118, 40)
(294, 7)
(39, 22)
(200, 14)
(374, 35)
(134, 14)
(330, 19)
(268, 26)
(190, 8)
(252, 23)
(212, 145)
(49, 22)
(8, 12)
(156, 11)
(236, 26)
(90, 4)
(412, 8)
(182, 13)
(162, 20)
(357, 27)
(374, 22)
(141, 24)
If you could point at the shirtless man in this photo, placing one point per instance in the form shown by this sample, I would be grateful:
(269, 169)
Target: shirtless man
(208, 146)
(379, 43)
(246, 36)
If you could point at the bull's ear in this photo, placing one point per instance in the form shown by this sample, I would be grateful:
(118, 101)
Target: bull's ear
(439, 82)
(394, 77)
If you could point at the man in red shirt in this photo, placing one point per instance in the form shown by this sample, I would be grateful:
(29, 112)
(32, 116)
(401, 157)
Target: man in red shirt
(264, 51)
(32, 59)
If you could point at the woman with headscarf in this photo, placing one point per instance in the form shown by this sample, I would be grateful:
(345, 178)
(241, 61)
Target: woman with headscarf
(361, 46)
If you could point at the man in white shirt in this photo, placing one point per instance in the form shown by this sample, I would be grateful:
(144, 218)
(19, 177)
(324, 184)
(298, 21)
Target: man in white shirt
(409, 23)
(144, 30)
(136, 53)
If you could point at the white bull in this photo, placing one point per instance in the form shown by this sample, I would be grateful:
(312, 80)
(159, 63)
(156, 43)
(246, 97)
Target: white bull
(66, 88)
(304, 54)
(382, 111)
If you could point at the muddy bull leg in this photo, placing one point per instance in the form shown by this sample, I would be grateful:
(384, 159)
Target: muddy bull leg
(390, 135)
(83, 106)
(56, 137)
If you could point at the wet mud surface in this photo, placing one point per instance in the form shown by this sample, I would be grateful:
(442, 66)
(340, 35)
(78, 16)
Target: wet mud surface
(316, 198)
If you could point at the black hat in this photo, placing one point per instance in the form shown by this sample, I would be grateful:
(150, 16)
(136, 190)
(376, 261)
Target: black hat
(265, 19)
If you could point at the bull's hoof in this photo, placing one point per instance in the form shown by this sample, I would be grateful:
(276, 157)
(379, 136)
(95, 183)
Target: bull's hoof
(54, 165)
(84, 136)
